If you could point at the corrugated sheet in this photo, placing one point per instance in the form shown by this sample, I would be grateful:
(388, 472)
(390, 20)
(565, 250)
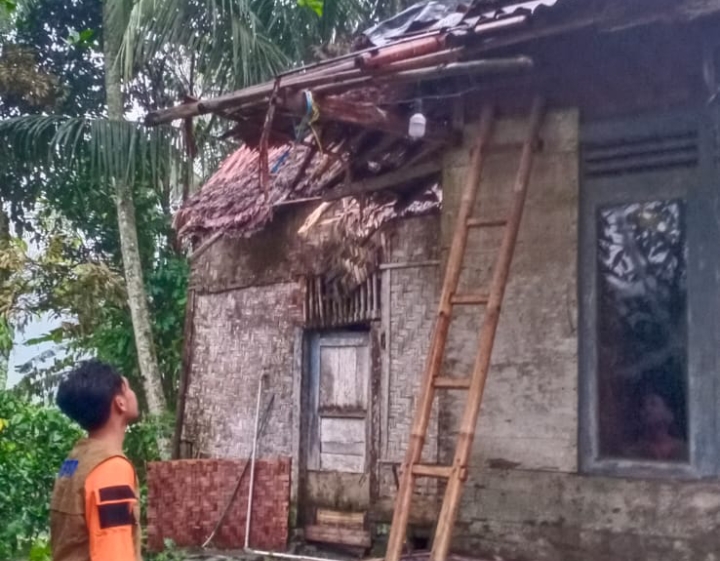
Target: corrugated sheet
(447, 14)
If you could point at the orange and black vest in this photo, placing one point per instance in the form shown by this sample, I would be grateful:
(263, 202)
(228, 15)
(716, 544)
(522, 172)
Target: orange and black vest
(69, 531)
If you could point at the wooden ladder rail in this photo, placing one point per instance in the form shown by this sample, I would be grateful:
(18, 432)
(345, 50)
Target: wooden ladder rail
(456, 473)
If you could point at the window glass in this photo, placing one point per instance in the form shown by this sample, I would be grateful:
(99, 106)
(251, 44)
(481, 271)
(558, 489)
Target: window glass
(642, 343)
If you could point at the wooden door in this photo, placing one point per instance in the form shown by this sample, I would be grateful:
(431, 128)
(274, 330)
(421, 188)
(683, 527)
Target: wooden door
(339, 421)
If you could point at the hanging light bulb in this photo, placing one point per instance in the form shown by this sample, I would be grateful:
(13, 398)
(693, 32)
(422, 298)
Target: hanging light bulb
(418, 122)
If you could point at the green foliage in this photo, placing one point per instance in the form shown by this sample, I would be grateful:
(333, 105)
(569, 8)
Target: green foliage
(20, 77)
(103, 150)
(34, 440)
(40, 550)
(141, 447)
(316, 6)
(112, 339)
(235, 43)
(170, 553)
(44, 28)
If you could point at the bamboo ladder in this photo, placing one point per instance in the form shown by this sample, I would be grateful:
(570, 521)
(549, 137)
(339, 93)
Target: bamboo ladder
(456, 473)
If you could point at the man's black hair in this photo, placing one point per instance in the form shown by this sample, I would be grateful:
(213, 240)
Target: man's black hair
(87, 393)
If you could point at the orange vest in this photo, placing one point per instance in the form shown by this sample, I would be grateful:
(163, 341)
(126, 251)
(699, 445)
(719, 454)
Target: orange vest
(69, 533)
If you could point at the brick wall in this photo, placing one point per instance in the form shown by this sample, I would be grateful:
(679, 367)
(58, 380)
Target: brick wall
(186, 499)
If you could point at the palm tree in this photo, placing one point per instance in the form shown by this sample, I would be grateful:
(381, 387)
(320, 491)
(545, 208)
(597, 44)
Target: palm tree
(235, 43)
(220, 45)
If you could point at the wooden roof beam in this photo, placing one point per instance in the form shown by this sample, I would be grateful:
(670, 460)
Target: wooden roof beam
(385, 181)
(369, 116)
(422, 68)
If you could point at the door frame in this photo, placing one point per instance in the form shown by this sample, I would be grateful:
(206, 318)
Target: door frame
(308, 425)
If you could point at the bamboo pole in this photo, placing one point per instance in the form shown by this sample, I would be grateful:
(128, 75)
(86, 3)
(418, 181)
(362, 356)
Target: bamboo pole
(187, 359)
(409, 70)
(318, 288)
(439, 338)
(501, 271)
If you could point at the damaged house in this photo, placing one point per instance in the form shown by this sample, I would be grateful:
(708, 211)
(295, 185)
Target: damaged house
(320, 248)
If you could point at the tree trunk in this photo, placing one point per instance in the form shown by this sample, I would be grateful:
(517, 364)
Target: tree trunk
(4, 240)
(137, 299)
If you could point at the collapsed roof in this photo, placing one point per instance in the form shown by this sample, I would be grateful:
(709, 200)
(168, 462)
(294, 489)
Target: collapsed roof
(338, 129)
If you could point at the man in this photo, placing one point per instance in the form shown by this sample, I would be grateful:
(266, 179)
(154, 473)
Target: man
(657, 439)
(94, 513)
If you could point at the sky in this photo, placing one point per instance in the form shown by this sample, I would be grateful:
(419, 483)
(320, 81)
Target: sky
(22, 353)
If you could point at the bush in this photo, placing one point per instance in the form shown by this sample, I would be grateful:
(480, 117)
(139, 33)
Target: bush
(34, 441)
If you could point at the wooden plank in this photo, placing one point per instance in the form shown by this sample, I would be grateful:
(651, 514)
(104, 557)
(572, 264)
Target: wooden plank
(342, 413)
(342, 436)
(427, 470)
(482, 223)
(385, 181)
(343, 378)
(348, 491)
(367, 115)
(340, 536)
(410, 264)
(326, 517)
(342, 463)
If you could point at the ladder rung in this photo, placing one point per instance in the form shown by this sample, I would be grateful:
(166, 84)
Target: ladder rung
(470, 298)
(483, 223)
(432, 470)
(452, 383)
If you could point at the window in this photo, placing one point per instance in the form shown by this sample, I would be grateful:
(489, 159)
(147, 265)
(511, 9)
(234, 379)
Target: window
(648, 261)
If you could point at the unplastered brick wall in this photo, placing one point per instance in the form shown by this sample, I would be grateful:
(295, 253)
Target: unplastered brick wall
(186, 499)
(408, 319)
(240, 336)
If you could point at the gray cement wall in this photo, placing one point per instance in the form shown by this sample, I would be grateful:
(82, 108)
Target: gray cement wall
(524, 498)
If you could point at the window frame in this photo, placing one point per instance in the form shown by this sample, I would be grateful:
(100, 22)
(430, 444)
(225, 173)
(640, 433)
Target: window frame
(698, 187)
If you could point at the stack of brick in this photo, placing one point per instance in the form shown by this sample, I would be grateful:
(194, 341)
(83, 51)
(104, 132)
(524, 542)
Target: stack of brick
(186, 499)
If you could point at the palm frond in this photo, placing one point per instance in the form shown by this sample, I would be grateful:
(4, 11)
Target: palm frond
(236, 42)
(104, 149)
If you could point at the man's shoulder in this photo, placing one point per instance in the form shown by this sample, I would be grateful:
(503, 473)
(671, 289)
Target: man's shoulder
(115, 470)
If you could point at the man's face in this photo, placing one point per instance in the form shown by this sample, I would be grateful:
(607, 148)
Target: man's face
(128, 403)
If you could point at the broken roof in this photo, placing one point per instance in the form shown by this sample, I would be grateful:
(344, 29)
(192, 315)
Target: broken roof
(446, 14)
(353, 115)
(339, 127)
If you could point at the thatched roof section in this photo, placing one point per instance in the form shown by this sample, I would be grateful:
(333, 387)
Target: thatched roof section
(233, 201)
